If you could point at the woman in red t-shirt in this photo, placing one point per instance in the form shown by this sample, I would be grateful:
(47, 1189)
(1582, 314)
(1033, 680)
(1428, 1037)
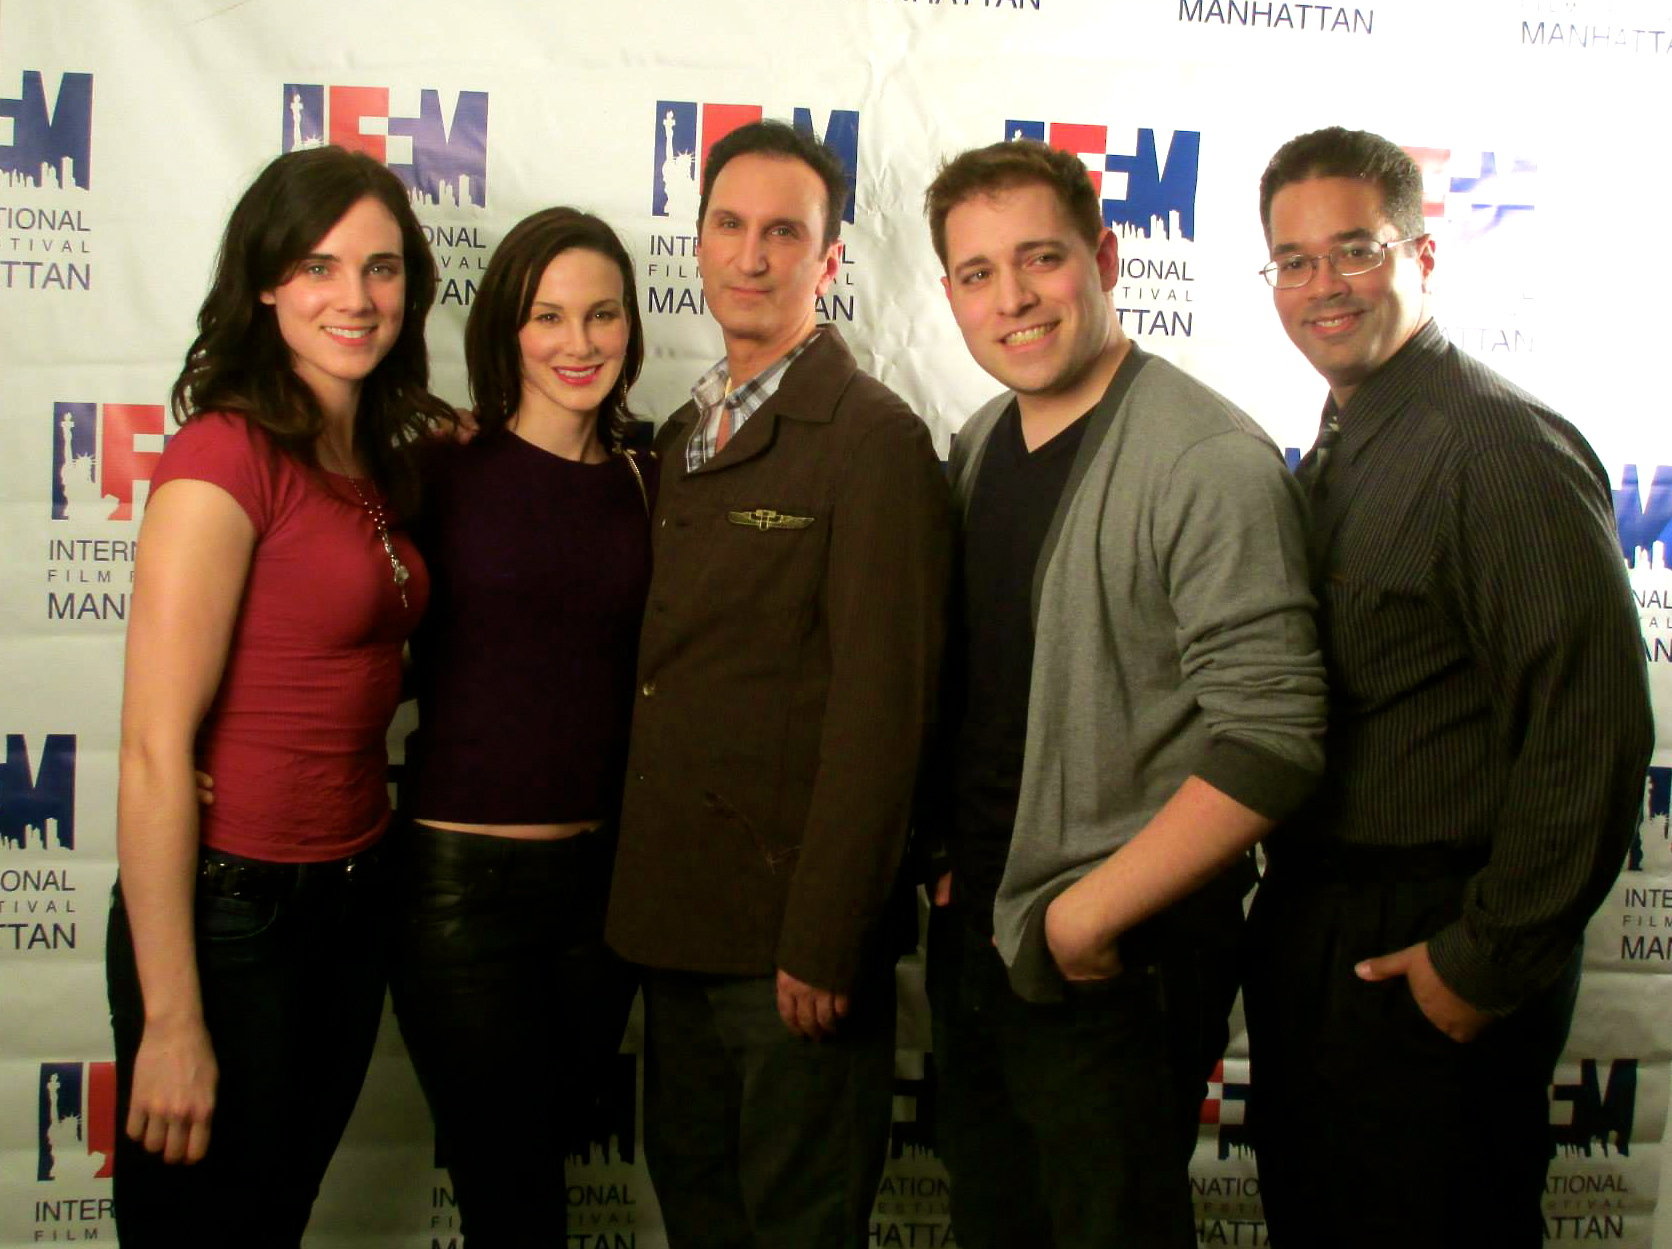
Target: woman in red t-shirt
(274, 590)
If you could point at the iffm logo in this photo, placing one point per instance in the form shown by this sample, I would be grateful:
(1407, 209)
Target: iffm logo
(77, 1139)
(48, 147)
(1141, 189)
(441, 160)
(1225, 1106)
(103, 455)
(1473, 192)
(1657, 813)
(1643, 523)
(1593, 1114)
(687, 131)
(37, 807)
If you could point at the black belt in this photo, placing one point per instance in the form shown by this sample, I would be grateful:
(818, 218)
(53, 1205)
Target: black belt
(233, 876)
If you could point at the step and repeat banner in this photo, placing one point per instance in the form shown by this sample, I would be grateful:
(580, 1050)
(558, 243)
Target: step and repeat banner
(128, 128)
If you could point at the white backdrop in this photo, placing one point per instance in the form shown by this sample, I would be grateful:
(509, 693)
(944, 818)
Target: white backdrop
(128, 128)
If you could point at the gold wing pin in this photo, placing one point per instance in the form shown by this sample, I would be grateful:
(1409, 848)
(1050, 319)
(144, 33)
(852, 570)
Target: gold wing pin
(764, 518)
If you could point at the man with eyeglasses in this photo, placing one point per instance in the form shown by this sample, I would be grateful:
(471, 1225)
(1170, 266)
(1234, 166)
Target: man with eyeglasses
(1417, 935)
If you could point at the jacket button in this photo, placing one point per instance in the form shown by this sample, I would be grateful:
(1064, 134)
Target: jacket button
(648, 688)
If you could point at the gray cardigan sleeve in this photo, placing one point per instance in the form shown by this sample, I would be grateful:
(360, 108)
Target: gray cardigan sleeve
(1230, 543)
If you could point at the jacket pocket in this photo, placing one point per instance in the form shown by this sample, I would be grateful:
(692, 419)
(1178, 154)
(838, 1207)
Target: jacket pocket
(777, 857)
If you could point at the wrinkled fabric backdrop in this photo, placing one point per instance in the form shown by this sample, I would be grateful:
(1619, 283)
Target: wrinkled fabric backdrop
(128, 128)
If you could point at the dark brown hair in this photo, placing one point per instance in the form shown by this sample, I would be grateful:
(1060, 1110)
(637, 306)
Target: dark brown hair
(492, 354)
(239, 361)
(1012, 163)
(1336, 152)
(776, 138)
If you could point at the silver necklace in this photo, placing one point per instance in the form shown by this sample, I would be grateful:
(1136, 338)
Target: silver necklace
(381, 524)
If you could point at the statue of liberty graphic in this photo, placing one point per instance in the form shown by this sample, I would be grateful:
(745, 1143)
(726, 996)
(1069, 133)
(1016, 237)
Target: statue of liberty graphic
(66, 1141)
(82, 497)
(679, 176)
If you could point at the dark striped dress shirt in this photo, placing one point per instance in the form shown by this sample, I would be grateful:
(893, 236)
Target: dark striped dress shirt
(1487, 683)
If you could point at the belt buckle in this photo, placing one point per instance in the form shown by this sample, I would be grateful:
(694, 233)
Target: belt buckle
(227, 880)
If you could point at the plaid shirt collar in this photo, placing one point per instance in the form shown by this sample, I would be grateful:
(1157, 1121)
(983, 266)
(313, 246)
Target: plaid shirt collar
(709, 394)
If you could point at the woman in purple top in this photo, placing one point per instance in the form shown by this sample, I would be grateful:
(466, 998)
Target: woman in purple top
(537, 538)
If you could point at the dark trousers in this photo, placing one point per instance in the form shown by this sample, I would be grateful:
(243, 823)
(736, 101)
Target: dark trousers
(291, 963)
(499, 968)
(1371, 1126)
(756, 1138)
(1070, 1125)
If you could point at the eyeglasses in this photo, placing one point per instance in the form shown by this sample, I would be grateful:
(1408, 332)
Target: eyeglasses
(1347, 259)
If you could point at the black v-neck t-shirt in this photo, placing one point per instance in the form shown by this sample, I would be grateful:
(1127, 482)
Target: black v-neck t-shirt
(1015, 496)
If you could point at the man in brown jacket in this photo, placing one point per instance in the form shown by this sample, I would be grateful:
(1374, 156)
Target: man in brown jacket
(793, 630)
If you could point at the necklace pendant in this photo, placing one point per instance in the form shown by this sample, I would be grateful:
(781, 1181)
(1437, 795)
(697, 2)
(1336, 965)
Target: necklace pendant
(399, 571)
(380, 526)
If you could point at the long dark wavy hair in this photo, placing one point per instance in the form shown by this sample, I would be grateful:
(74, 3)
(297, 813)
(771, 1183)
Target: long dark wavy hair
(239, 361)
(492, 354)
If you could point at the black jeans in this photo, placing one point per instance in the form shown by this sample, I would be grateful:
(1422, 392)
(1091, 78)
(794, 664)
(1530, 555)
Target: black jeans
(1371, 1125)
(290, 958)
(1070, 1125)
(499, 965)
(757, 1138)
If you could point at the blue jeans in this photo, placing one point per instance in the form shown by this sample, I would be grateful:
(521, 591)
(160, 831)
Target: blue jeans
(290, 958)
(500, 974)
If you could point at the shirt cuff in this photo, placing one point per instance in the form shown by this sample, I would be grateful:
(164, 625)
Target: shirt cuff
(1487, 984)
(1265, 783)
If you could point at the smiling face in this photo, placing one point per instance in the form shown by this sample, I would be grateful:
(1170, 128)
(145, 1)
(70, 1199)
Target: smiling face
(1347, 327)
(1030, 294)
(762, 252)
(574, 342)
(340, 310)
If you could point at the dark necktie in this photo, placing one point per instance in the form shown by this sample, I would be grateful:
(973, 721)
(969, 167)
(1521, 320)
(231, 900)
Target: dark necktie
(1311, 470)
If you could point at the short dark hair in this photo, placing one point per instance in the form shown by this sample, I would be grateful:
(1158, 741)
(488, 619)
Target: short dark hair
(239, 361)
(1012, 163)
(780, 139)
(1336, 152)
(492, 354)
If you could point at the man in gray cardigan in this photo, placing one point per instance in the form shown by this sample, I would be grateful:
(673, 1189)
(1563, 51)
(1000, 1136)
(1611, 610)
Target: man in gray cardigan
(1136, 696)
